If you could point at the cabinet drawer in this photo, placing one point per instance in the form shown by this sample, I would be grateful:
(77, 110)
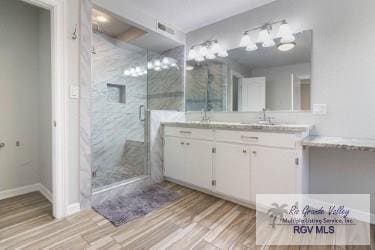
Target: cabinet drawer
(257, 138)
(202, 134)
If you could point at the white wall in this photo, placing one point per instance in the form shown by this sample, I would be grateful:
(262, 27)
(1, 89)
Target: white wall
(72, 69)
(25, 85)
(343, 61)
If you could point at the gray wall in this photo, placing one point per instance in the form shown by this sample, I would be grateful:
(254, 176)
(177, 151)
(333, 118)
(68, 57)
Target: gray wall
(342, 77)
(25, 80)
(279, 84)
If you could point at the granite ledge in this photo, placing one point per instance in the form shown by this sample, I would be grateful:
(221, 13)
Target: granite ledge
(281, 128)
(350, 144)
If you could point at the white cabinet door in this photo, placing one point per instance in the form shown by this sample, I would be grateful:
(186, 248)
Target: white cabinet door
(273, 171)
(232, 170)
(174, 158)
(199, 163)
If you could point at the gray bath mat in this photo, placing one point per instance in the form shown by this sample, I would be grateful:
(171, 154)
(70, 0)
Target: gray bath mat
(123, 209)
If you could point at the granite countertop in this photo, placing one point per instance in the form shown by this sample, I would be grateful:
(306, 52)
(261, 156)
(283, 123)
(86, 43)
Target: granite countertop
(340, 143)
(285, 128)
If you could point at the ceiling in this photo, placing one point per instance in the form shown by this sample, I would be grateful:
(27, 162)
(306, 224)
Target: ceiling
(113, 26)
(127, 33)
(189, 15)
(272, 57)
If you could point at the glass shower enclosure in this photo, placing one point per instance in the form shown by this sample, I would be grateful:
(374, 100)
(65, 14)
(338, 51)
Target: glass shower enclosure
(118, 112)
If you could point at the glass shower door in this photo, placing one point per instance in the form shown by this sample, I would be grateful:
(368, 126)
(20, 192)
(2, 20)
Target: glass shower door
(119, 101)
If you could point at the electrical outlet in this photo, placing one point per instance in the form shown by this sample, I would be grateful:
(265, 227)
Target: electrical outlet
(320, 109)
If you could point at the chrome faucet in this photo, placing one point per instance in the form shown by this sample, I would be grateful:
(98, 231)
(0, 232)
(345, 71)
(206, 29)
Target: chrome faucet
(204, 116)
(264, 119)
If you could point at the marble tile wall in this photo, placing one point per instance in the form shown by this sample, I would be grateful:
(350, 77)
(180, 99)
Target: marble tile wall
(206, 87)
(156, 140)
(166, 87)
(85, 104)
(116, 126)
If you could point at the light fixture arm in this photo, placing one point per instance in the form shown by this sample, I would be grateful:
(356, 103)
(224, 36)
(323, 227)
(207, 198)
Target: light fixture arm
(267, 26)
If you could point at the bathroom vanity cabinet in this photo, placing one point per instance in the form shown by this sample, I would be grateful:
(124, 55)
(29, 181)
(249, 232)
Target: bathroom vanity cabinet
(236, 163)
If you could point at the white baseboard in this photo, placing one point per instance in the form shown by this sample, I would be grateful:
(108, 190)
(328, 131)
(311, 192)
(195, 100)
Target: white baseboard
(19, 191)
(73, 208)
(25, 190)
(45, 192)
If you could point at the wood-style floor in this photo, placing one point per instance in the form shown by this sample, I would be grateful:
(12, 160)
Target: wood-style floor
(195, 221)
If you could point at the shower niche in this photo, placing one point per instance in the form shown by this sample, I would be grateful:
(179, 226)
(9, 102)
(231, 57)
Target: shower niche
(116, 93)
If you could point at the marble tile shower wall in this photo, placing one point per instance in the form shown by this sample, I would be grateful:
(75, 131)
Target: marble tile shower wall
(166, 87)
(115, 125)
(206, 87)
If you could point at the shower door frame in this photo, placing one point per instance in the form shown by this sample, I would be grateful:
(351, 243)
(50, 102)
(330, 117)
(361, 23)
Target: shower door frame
(60, 104)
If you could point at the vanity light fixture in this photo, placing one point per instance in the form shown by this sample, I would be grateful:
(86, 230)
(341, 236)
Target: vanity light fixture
(156, 65)
(285, 33)
(265, 37)
(207, 50)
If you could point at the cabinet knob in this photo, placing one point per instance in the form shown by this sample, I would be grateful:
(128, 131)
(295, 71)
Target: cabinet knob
(182, 143)
(254, 152)
(188, 143)
(244, 151)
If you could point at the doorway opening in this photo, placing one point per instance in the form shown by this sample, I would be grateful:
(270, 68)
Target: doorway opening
(31, 102)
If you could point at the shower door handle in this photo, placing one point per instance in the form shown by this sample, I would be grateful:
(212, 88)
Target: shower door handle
(142, 107)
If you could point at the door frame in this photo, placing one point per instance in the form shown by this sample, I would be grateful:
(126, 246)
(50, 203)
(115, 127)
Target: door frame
(59, 104)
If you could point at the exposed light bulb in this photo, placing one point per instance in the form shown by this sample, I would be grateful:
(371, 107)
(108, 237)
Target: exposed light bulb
(127, 72)
(165, 66)
(132, 71)
(192, 54)
(138, 69)
(157, 68)
(286, 46)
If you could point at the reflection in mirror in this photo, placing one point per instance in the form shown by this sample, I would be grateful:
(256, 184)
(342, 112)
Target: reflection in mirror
(276, 78)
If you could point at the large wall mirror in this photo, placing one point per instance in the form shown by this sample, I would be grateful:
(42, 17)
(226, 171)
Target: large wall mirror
(274, 78)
